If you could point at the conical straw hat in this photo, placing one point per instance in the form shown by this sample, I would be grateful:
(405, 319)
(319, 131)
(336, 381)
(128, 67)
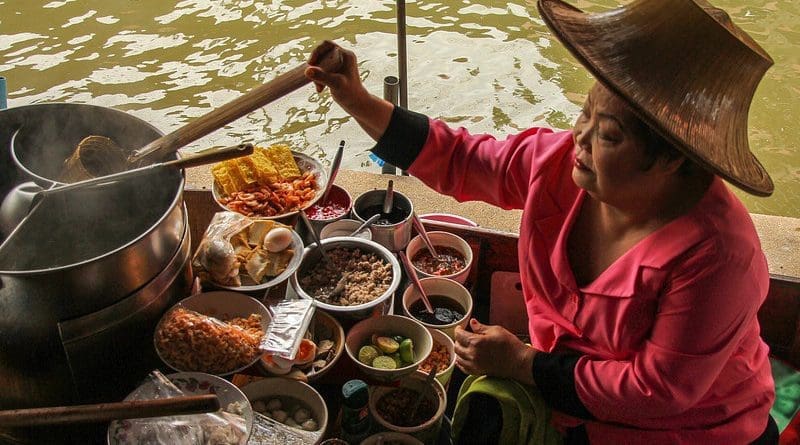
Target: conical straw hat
(683, 67)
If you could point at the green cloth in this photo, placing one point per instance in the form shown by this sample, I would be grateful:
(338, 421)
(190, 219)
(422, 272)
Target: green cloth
(526, 417)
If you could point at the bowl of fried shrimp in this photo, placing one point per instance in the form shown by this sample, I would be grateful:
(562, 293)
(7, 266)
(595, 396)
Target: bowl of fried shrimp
(272, 183)
(216, 333)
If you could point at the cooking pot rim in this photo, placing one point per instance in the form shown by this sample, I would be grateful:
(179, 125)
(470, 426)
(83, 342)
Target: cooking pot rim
(176, 201)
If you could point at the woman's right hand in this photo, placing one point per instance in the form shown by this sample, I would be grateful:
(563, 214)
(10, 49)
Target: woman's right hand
(344, 83)
(370, 111)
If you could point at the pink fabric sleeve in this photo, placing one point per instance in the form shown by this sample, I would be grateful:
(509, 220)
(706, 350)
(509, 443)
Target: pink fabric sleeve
(703, 319)
(480, 168)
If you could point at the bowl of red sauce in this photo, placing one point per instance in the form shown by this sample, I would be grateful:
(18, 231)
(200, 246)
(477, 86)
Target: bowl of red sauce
(453, 260)
(336, 206)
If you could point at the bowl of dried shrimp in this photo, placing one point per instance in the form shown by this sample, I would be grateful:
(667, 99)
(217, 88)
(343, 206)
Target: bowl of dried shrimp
(217, 333)
(272, 183)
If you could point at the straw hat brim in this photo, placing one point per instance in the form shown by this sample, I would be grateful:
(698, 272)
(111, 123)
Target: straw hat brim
(682, 70)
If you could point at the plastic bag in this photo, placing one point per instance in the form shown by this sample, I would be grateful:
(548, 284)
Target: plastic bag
(290, 321)
(216, 259)
(226, 427)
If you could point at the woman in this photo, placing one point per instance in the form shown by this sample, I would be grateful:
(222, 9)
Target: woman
(642, 273)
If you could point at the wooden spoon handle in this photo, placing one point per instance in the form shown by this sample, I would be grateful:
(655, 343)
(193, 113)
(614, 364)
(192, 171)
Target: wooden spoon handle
(219, 117)
(106, 412)
(211, 156)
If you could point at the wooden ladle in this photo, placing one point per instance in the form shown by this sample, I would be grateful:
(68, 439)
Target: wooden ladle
(105, 412)
(100, 156)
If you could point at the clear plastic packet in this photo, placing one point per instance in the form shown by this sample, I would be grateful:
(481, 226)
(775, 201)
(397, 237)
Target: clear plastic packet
(267, 431)
(217, 428)
(290, 321)
(216, 258)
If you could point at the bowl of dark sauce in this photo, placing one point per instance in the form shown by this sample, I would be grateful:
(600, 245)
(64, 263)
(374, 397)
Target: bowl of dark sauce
(393, 229)
(451, 302)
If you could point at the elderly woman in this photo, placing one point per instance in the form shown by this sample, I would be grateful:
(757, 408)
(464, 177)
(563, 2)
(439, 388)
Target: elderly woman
(642, 272)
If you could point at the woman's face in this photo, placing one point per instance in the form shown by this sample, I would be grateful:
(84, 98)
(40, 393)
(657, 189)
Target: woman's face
(610, 155)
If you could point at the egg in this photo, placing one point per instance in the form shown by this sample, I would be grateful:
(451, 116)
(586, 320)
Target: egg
(278, 239)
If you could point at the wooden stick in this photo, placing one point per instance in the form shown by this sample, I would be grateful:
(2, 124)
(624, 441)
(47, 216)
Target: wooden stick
(106, 412)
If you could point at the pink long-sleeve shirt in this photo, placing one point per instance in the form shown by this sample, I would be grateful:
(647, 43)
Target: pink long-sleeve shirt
(669, 338)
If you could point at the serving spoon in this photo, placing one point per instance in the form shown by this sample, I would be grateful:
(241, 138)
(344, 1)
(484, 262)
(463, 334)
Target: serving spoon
(366, 224)
(314, 235)
(388, 198)
(337, 160)
(22, 200)
(415, 279)
(99, 155)
(424, 234)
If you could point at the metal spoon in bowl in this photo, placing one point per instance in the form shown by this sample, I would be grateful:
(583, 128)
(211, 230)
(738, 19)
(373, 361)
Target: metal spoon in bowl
(424, 234)
(415, 279)
(388, 199)
(337, 160)
(314, 235)
(421, 395)
(366, 224)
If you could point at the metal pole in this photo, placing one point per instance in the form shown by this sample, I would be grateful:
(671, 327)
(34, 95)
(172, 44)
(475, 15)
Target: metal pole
(401, 53)
(402, 57)
(390, 91)
(3, 94)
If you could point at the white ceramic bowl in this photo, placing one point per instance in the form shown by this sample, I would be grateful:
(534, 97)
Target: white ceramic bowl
(443, 239)
(278, 387)
(441, 338)
(306, 164)
(344, 227)
(190, 384)
(445, 287)
(222, 305)
(294, 263)
(389, 325)
(428, 431)
(380, 305)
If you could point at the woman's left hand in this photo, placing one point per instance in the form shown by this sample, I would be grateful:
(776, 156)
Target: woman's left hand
(493, 350)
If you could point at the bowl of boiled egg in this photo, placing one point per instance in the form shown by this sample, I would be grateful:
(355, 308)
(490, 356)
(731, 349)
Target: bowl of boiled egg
(243, 254)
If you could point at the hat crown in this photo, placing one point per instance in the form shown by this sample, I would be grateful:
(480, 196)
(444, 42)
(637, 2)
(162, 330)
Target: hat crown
(684, 68)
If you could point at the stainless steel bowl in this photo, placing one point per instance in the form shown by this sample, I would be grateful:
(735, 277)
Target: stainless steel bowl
(380, 305)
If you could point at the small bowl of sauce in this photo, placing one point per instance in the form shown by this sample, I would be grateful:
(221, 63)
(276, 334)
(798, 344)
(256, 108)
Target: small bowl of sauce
(393, 229)
(453, 260)
(337, 206)
(451, 301)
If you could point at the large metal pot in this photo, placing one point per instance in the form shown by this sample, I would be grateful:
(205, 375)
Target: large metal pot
(84, 264)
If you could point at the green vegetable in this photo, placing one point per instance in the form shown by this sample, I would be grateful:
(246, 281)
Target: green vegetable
(367, 354)
(384, 362)
(406, 350)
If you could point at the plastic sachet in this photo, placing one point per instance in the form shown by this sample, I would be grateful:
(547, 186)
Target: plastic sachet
(290, 321)
(216, 258)
(267, 431)
(224, 427)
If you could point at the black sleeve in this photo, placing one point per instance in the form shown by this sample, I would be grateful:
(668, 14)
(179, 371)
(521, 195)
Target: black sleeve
(554, 375)
(403, 139)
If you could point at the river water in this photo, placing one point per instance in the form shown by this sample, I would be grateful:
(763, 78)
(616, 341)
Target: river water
(489, 66)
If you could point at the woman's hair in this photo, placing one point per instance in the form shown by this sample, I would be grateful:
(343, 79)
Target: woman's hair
(656, 146)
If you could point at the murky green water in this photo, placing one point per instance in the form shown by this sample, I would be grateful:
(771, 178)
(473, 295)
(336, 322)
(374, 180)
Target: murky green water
(486, 65)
